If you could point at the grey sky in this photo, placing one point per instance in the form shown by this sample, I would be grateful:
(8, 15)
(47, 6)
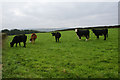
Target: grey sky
(59, 0)
(25, 15)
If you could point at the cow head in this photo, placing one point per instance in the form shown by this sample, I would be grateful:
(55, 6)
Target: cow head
(76, 30)
(53, 34)
(11, 44)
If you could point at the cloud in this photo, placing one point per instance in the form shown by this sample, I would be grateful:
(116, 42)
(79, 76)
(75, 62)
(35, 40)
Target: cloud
(17, 12)
(59, 0)
(58, 14)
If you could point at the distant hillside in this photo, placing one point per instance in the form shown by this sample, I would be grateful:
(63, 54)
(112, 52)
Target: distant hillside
(78, 27)
(49, 29)
(17, 31)
(42, 30)
(28, 31)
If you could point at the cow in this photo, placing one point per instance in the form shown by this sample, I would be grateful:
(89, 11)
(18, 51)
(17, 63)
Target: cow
(17, 39)
(33, 38)
(100, 33)
(57, 36)
(82, 33)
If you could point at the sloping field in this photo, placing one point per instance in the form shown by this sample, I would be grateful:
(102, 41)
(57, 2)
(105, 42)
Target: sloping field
(70, 58)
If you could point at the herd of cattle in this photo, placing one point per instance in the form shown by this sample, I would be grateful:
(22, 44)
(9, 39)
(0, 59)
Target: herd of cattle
(80, 33)
(86, 33)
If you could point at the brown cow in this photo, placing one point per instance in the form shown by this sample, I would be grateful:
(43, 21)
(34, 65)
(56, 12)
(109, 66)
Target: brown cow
(33, 38)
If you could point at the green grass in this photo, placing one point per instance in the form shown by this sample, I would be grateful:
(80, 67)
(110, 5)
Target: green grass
(70, 58)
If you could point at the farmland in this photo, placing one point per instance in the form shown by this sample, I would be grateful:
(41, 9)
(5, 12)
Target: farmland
(70, 58)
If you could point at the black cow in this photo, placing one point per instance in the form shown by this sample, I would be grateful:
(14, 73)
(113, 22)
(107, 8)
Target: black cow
(57, 36)
(100, 33)
(82, 33)
(17, 39)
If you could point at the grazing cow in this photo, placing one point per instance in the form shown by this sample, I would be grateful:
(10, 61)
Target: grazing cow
(18, 39)
(57, 36)
(100, 33)
(82, 33)
(33, 37)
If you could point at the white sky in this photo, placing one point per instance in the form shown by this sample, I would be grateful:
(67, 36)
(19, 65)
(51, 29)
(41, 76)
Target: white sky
(59, 0)
(24, 14)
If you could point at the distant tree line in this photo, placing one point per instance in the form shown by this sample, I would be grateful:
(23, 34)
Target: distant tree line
(17, 31)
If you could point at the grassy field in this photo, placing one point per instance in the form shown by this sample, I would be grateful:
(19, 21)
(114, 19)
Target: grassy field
(70, 58)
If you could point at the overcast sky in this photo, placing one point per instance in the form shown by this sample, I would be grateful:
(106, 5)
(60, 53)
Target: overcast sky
(27, 15)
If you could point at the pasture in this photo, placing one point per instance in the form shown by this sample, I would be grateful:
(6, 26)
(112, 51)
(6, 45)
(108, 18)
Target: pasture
(70, 58)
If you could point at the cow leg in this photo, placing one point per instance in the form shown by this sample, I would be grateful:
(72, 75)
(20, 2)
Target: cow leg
(97, 36)
(33, 41)
(104, 37)
(16, 44)
(79, 37)
(86, 38)
(19, 44)
(24, 44)
(56, 39)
